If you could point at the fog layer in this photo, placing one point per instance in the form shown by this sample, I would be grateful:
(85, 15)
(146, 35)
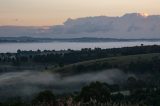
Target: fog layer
(28, 83)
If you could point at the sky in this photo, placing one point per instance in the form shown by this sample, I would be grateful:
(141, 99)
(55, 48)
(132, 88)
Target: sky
(53, 12)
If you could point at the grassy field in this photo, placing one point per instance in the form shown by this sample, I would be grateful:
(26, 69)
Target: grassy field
(112, 62)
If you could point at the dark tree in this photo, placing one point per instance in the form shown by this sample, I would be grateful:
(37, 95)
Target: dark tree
(96, 91)
(45, 96)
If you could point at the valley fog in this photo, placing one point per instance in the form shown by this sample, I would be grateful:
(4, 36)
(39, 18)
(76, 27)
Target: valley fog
(28, 83)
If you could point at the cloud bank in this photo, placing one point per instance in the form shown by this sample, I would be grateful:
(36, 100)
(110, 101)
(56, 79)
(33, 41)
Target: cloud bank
(134, 25)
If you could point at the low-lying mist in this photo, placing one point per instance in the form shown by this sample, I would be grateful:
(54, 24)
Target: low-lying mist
(28, 83)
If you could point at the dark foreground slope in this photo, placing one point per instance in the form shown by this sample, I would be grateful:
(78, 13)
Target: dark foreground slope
(141, 63)
(128, 75)
(131, 80)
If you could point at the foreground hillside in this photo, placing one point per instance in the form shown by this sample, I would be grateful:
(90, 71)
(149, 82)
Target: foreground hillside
(131, 80)
(128, 76)
(132, 63)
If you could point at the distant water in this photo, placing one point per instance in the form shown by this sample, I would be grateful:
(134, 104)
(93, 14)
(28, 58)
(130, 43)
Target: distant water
(13, 47)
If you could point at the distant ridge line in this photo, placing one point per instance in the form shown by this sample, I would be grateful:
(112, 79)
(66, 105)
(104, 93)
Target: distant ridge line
(81, 39)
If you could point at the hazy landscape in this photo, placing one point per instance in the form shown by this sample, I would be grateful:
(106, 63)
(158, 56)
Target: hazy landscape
(79, 53)
(124, 71)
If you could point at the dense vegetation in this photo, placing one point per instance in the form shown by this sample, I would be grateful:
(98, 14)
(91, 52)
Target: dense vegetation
(64, 57)
(141, 89)
(94, 94)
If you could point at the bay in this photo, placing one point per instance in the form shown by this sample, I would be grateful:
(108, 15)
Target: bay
(13, 47)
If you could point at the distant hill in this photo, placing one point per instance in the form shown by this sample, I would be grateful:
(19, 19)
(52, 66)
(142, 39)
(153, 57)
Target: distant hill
(134, 25)
(83, 39)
